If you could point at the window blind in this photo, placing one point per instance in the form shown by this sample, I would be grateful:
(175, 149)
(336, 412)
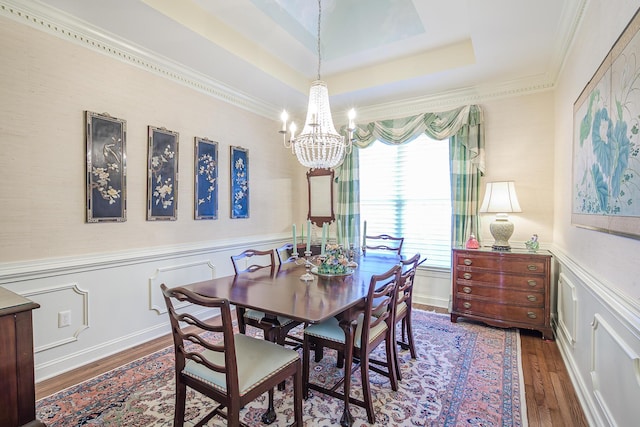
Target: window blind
(405, 191)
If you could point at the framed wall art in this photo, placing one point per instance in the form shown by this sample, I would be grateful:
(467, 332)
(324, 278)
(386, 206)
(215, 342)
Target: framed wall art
(606, 146)
(239, 182)
(162, 184)
(206, 179)
(106, 172)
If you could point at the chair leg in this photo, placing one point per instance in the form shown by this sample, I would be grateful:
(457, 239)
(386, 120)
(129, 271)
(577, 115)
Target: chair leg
(305, 367)
(392, 357)
(366, 389)
(297, 396)
(412, 347)
(270, 415)
(181, 397)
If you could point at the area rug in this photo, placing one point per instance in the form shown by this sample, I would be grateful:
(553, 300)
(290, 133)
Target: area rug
(465, 374)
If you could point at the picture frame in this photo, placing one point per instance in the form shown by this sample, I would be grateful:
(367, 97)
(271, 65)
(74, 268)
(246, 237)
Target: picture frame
(106, 168)
(206, 179)
(606, 142)
(239, 167)
(162, 174)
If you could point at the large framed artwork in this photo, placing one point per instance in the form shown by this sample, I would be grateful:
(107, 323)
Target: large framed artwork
(206, 179)
(162, 178)
(239, 182)
(606, 146)
(106, 172)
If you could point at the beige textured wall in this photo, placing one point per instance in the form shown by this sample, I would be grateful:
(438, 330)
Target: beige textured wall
(519, 134)
(46, 84)
(612, 259)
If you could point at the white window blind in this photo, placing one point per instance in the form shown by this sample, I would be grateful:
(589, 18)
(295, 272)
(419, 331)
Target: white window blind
(405, 191)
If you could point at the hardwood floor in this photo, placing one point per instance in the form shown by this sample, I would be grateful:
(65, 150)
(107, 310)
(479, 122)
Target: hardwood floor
(550, 396)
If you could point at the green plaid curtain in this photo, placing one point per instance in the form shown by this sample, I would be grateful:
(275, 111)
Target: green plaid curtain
(464, 128)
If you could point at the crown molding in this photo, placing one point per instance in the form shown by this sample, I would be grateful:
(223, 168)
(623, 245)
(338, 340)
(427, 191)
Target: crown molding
(45, 18)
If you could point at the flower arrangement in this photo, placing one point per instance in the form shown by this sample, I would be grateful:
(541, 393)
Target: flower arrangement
(335, 261)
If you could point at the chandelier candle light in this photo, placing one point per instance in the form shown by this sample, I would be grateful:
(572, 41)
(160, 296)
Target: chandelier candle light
(501, 199)
(318, 146)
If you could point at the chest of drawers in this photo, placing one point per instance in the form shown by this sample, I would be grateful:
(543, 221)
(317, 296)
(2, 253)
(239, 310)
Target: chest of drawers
(504, 289)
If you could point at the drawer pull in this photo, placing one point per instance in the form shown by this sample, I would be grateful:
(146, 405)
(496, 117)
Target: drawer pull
(532, 283)
(466, 290)
(532, 267)
(467, 276)
(467, 305)
(532, 298)
(467, 261)
(531, 315)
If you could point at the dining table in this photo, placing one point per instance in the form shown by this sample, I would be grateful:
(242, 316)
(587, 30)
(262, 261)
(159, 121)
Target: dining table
(281, 291)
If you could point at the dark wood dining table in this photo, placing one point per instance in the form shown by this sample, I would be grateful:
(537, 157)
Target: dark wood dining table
(281, 292)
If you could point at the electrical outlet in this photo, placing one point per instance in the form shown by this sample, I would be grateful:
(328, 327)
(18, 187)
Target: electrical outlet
(64, 318)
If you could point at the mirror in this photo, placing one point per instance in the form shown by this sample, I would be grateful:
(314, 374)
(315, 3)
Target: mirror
(320, 196)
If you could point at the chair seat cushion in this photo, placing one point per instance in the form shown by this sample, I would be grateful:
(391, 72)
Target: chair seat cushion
(257, 361)
(258, 315)
(331, 330)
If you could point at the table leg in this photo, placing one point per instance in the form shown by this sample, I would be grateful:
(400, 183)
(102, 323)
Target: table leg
(348, 327)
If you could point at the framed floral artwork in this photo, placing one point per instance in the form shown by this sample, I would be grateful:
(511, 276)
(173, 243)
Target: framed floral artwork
(162, 182)
(106, 172)
(239, 182)
(606, 142)
(206, 179)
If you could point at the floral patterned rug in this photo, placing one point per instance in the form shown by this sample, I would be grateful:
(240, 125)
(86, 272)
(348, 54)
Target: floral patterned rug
(465, 374)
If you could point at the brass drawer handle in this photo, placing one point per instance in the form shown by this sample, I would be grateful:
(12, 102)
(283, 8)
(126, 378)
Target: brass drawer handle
(532, 267)
(532, 298)
(532, 283)
(466, 290)
(467, 276)
(531, 315)
(467, 305)
(467, 261)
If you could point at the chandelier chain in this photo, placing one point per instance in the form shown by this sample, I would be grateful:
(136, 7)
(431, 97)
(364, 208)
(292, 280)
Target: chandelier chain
(319, 54)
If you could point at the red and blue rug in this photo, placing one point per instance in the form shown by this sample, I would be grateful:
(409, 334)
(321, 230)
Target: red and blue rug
(465, 375)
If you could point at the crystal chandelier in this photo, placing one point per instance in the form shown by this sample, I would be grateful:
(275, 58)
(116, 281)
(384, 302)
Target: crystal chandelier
(318, 146)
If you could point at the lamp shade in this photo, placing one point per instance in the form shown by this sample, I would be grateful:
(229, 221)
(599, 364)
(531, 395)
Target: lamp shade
(500, 197)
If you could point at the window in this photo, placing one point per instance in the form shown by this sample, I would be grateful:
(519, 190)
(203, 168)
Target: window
(405, 190)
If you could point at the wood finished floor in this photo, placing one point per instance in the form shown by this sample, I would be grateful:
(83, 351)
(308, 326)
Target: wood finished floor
(550, 396)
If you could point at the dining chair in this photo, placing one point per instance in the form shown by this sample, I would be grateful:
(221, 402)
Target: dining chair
(404, 299)
(285, 253)
(232, 369)
(370, 332)
(383, 242)
(276, 329)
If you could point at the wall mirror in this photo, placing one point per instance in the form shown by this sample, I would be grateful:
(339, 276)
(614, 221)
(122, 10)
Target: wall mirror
(320, 196)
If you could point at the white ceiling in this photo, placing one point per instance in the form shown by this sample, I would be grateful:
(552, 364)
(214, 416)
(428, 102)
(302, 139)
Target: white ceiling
(374, 52)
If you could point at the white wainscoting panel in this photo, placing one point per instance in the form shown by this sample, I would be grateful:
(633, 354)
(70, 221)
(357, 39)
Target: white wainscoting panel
(177, 275)
(58, 299)
(567, 308)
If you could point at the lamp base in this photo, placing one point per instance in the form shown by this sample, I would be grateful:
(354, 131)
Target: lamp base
(501, 230)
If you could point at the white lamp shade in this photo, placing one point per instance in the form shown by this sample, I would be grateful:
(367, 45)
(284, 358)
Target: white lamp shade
(500, 197)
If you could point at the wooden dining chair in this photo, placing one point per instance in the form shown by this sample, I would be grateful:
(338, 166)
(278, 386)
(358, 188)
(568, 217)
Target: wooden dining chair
(277, 329)
(231, 369)
(370, 333)
(383, 242)
(285, 253)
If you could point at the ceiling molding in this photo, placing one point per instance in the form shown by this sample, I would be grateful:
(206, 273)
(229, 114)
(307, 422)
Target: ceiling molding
(45, 18)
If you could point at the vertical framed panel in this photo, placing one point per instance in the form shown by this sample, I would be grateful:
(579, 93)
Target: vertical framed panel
(162, 185)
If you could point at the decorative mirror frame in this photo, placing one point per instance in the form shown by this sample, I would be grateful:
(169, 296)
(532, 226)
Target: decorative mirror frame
(320, 184)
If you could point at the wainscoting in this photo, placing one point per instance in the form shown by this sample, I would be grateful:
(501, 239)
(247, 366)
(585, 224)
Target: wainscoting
(598, 333)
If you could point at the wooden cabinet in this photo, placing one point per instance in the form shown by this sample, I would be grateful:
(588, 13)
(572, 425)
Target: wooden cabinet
(17, 387)
(504, 289)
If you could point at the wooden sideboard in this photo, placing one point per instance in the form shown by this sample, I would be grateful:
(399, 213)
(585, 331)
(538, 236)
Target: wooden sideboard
(503, 288)
(17, 377)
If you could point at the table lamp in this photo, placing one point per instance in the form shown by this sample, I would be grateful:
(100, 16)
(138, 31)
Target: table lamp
(500, 198)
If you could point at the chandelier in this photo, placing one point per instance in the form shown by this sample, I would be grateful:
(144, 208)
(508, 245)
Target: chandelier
(318, 146)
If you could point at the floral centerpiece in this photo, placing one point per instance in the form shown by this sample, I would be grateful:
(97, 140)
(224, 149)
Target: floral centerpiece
(335, 261)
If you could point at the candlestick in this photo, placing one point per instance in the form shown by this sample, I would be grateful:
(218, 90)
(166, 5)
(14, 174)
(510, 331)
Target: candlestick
(364, 234)
(338, 232)
(308, 235)
(324, 238)
(295, 240)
